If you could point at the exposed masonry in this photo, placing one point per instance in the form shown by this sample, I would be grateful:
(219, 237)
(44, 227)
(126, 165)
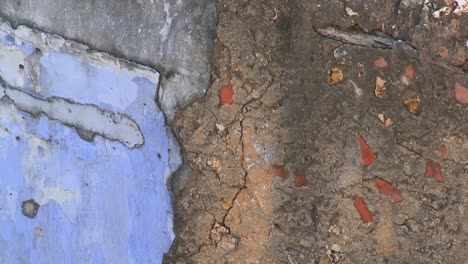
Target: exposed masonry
(87, 117)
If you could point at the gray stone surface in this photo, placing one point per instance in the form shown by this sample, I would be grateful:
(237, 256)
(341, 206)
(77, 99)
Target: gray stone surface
(173, 36)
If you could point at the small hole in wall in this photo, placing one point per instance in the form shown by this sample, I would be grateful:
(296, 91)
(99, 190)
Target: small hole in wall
(17, 138)
(159, 156)
(21, 66)
(30, 208)
(170, 74)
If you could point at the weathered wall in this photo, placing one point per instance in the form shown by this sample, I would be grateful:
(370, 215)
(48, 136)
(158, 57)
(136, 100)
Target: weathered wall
(84, 155)
(118, 211)
(173, 36)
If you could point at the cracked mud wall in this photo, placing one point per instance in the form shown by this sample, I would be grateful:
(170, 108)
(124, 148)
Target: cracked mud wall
(276, 166)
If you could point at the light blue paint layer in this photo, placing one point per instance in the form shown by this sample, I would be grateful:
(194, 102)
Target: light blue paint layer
(100, 202)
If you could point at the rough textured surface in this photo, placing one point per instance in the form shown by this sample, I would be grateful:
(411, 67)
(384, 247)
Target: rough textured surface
(240, 202)
(174, 37)
(70, 191)
(271, 175)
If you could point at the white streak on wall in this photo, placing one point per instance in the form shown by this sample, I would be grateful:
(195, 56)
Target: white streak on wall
(111, 125)
(10, 59)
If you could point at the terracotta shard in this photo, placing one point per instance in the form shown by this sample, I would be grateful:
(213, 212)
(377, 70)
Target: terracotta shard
(300, 179)
(367, 156)
(461, 93)
(362, 209)
(409, 71)
(429, 168)
(437, 170)
(381, 63)
(386, 188)
(226, 95)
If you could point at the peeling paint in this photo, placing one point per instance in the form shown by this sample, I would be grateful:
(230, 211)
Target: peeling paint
(82, 136)
(114, 126)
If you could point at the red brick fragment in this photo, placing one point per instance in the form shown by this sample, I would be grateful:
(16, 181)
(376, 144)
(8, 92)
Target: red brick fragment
(429, 168)
(461, 93)
(367, 156)
(300, 179)
(387, 189)
(434, 169)
(362, 209)
(409, 71)
(437, 170)
(381, 63)
(226, 95)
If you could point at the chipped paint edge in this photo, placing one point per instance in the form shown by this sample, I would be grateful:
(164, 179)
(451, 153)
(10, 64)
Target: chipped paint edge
(57, 43)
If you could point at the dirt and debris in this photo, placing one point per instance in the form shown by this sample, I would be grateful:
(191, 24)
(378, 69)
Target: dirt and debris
(362, 198)
(413, 104)
(379, 87)
(385, 120)
(335, 75)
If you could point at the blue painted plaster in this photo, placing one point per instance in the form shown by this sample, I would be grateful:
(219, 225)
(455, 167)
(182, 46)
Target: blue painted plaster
(100, 201)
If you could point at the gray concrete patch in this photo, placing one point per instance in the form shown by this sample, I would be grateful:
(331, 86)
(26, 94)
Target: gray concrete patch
(174, 37)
